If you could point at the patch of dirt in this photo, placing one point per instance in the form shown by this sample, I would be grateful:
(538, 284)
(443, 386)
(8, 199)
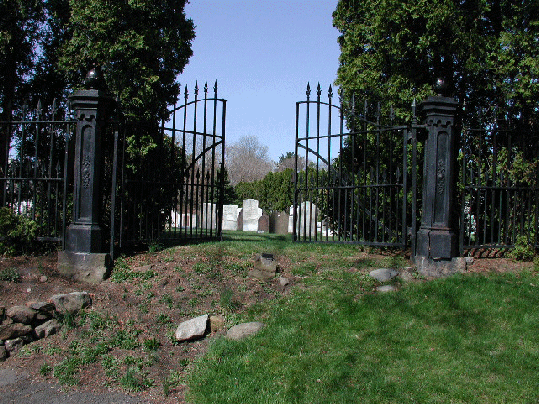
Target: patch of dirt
(171, 286)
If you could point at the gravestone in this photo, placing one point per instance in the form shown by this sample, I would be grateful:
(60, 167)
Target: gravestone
(279, 223)
(240, 220)
(230, 217)
(306, 221)
(263, 224)
(291, 220)
(209, 216)
(251, 214)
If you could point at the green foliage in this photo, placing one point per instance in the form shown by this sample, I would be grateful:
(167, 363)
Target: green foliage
(10, 275)
(392, 51)
(523, 250)
(18, 233)
(275, 191)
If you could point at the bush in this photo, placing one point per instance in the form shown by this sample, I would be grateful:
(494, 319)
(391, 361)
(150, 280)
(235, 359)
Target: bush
(523, 250)
(18, 234)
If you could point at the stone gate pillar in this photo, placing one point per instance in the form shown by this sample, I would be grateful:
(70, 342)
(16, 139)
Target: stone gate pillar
(437, 238)
(84, 258)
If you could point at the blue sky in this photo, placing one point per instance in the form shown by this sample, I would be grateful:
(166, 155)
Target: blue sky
(262, 53)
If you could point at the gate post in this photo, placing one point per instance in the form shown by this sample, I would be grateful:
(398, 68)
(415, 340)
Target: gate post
(84, 258)
(437, 238)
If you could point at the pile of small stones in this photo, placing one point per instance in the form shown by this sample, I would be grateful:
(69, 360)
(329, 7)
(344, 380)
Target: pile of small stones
(20, 325)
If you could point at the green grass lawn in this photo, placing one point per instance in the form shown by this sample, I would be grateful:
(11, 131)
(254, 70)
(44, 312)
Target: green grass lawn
(465, 339)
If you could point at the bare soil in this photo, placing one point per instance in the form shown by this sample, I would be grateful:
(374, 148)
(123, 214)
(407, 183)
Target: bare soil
(180, 285)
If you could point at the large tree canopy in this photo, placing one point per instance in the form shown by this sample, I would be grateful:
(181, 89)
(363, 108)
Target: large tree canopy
(487, 51)
(47, 46)
(142, 46)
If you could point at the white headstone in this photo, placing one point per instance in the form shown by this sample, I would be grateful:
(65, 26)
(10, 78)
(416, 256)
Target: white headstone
(306, 223)
(251, 214)
(209, 216)
(230, 217)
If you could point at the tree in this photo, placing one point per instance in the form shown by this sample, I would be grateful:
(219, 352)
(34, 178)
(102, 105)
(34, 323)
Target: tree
(142, 46)
(247, 160)
(486, 51)
(19, 31)
(288, 160)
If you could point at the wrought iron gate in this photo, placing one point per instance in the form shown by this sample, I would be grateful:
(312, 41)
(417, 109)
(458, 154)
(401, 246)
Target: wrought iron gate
(34, 175)
(358, 186)
(178, 194)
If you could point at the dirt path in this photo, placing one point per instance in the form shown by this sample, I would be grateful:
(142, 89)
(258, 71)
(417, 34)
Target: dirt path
(16, 386)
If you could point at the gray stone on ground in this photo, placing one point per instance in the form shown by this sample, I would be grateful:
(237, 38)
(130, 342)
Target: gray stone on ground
(192, 329)
(284, 281)
(13, 345)
(386, 288)
(49, 328)
(71, 302)
(384, 274)
(241, 331)
(21, 314)
(10, 331)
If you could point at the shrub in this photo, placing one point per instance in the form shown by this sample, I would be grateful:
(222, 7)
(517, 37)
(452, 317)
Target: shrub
(18, 234)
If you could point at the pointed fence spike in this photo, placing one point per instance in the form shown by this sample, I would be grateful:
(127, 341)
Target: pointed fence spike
(330, 92)
(196, 88)
(206, 88)
(308, 92)
(215, 88)
(318, 90)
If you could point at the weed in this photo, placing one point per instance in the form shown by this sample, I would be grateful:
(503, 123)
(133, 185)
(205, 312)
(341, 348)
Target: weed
(168, 300)
(163, 319)
(45, 370)
(180, 289)
(134, 381)
(155, 247)
(10, 275)
(523, 250)
(227, 300)
(151, 344)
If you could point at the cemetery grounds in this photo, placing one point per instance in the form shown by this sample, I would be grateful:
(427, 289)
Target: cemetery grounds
(328, 335)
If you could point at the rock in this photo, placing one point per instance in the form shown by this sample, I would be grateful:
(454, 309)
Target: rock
(241, 331)
(14, 344)
(265, 267)
(21, 314)
(192, 329)
(217, 323)
(43, 279)
(49, 328)
(72, 302)
(47, 307)
(3, 353)
(284, 281)
(406, 276)
(10, 331)
(386, 288)
(383, 274)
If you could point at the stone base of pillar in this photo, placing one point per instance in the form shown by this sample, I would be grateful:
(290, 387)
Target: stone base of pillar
(84, 238)
(440, 268)
(437, 244)
(84, 267)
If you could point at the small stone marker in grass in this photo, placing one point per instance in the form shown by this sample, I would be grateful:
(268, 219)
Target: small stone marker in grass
(384, 274)
(265, 267)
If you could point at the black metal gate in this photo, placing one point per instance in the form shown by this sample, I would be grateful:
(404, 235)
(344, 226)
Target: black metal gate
(358, 186)
(177, 193)
(34, 175)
